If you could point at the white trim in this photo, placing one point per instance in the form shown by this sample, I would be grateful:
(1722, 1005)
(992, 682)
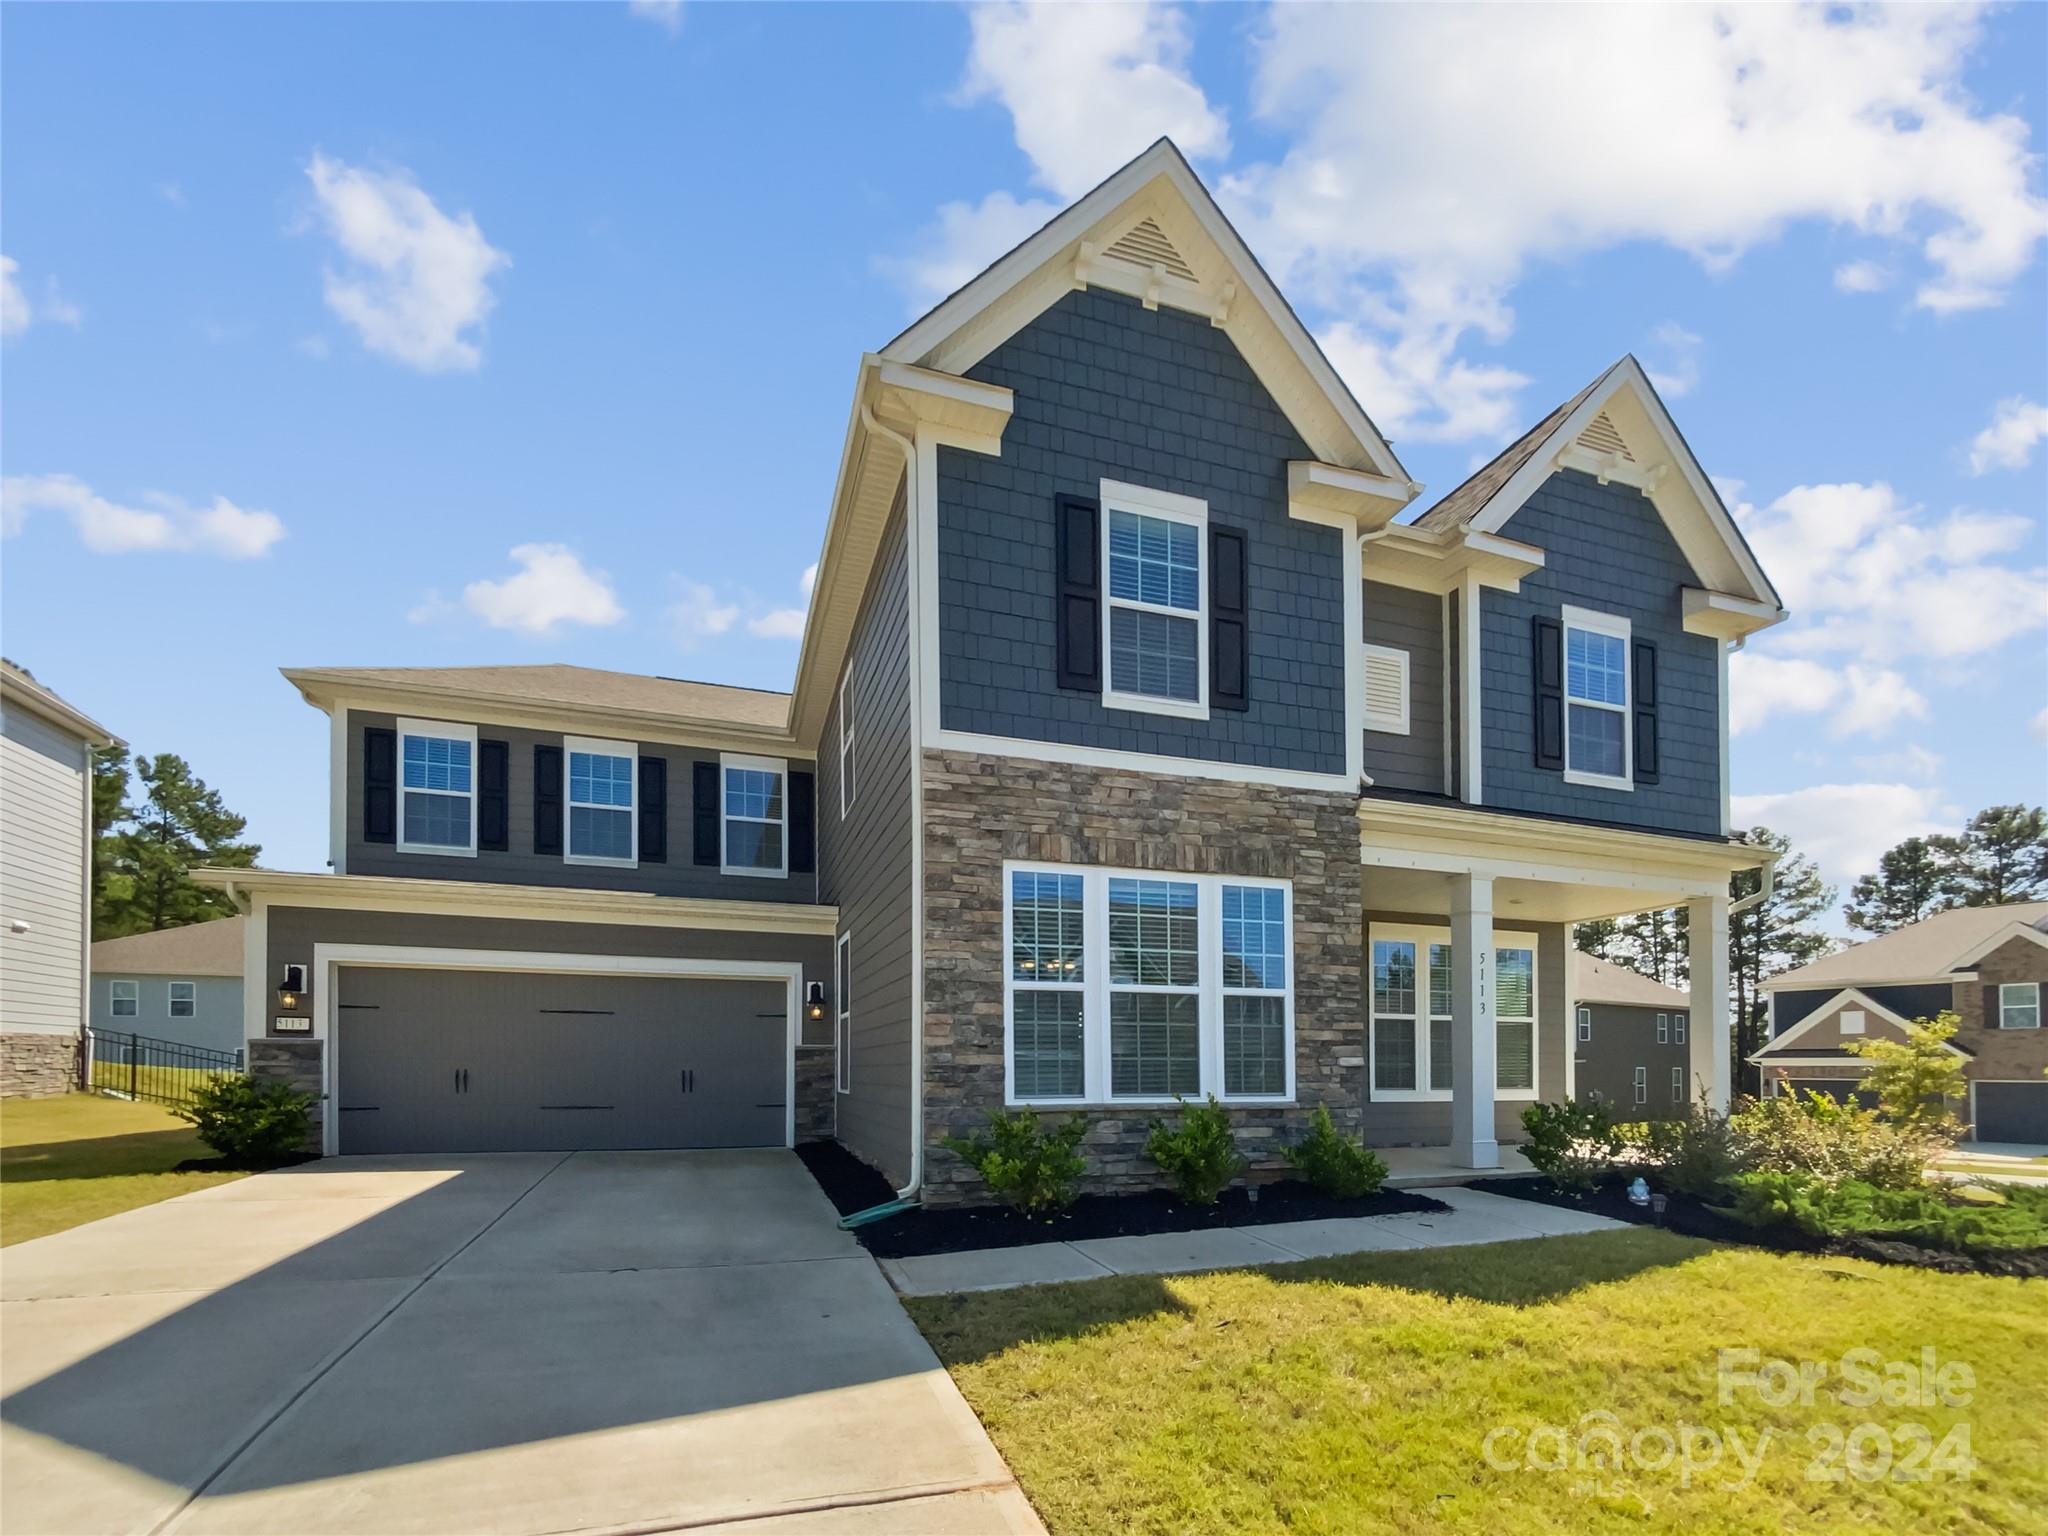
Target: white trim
(2018, 986)
(441, 730)
(1163, 764)
(1784, 982)
(256, 979)
(1721, 654)
(1422, 936)
(591, 746)
(847, 746)
(1471, 746)
(1614, 627)
(1396, 723)
(1680, 1022)
(727, 761)
(1096, 989)
(1853, 1063)
(1678, 1085)
(842, 1013)
(337, 790)
(328, 959)
(1583, 1020)
(171, 999)
(1642, 1085)
(1165, 506)
(134, 996)
(1663, 1029)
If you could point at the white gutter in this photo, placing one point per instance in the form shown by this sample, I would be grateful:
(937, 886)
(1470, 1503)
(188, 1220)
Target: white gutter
(1763, 890)
(910, 516)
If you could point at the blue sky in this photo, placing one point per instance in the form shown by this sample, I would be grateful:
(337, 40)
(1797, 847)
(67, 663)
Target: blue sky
(463, 334)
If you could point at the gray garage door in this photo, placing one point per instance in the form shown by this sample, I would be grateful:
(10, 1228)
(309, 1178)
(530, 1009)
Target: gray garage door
(1836, 1088)
(474, 1061)
(2012, 1112)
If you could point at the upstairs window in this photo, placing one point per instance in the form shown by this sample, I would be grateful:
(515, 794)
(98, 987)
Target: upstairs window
(122, 998)
(754, 831)
(1663, 1029)
(183, 999)
(436, 787)
(1678, 1028)
(600, 813)
(1596, 699)
(1585, 1024)
(2019, 1005)
(1156, 614)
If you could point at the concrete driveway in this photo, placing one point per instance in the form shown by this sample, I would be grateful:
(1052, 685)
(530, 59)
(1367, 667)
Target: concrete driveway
(524, 1343)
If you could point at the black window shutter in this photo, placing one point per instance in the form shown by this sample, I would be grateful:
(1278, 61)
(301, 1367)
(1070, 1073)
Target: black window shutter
(1229, 621)
(547, 799)
(1547, 667)
(1078, 626)
(653, 810)
(803, 823)
(704, 813)
(1646, 712)
(493, 796)
(1994, 1017)
(380, 784)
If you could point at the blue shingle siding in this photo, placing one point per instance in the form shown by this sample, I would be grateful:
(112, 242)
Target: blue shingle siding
(1411, 622)
(1106, 389)
(1922, 1002)
(1605, 548)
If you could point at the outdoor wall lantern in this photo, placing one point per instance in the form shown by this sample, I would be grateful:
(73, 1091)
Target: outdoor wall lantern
(292, 990)
(814, 1002)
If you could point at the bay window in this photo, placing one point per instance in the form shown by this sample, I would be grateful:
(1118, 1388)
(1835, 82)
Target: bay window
(1137, 987)
(1596, 699)
(1412, 1026)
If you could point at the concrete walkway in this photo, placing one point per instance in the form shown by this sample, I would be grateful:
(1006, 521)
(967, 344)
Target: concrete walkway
(518, 1344)
(1474, 1217)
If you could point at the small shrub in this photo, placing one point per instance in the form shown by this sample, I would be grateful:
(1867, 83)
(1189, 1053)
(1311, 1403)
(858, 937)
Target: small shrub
(1200, 1154)
(1915, 1082)
(1337, 1166)
(1812, 1133)
(249, 1123)
(1024, 1164)
(1925, 1216)
(1696, 1152)
(1573, 1143)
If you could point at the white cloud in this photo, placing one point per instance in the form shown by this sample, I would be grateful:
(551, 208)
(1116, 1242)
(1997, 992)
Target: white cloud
(963, 239)
(1911, 761)
(171, 193)
(698, 613)
(665, 14)
(2008, 443)
(314, 347)
(17, 314)
(1673, 360)
(1862, 277)
(1432, 157)
(1845, 827)
(418, 279)
(1859, 700)
(2040, 725)
(1866, 574)
(168, 523)
(787, 623)
(551, 587)
(809, 580)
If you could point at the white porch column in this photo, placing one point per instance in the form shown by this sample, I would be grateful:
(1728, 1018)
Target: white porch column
(1709, 1040)
(1473, 1072)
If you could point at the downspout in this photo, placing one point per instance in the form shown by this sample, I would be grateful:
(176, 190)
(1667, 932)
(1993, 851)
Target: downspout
(907, 1195)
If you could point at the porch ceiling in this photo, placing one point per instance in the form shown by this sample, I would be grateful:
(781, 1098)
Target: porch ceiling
(1427, 893)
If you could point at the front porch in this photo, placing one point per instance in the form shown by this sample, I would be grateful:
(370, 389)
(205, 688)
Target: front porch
(1468, 918)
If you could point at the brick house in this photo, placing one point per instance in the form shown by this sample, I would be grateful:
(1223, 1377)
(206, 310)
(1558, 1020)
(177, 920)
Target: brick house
(1136, 751)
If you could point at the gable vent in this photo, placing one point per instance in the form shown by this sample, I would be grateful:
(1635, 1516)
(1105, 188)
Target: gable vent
(1601, 437)
(1146, 245)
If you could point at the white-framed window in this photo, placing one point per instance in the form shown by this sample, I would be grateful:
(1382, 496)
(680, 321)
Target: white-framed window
(1409, 1053)
(1678, 1085)
(1854, 1021)
(1642, 1085)
(754, 826)
(1155, 619)
(1386, 689)
(1678, 1022)
(2019, 1005)
(1585, 1024)
(1597, 739)
(848, 761)
(183, 1000)
(124, 999)
(843, 1039)
(1663, 1029)
(436, 787)
(1130, 986)
(600, 802)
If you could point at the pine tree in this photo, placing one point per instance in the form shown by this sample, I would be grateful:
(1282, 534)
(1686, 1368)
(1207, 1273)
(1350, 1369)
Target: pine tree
(2002, 856)
(1595, 937)
(110, 809)
(1655, 944)
(179, 825)
(1774, 935)
(1916, 878)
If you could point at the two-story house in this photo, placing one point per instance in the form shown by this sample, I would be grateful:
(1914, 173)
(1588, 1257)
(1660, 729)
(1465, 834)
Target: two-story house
(1631, 1041)
(1135, 752)
(1986, 965)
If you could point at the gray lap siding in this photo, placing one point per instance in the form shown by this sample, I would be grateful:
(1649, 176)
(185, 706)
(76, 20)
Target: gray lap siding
(1106, 389)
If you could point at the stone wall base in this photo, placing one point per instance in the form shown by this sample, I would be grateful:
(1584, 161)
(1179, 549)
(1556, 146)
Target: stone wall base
(296, 1062)
(817, 1105)
(34, 1065)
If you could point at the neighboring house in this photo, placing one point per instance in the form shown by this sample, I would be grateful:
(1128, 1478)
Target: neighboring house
(46, 749)
(1986, 965)
(1135, 752)
(1632, 1041)
(182, 985)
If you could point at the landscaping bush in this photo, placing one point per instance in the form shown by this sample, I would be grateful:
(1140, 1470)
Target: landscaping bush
(1915, 1082)
(1695, 1153)
(1812, 1133)
(1925, 1216)
(1573, 1143)
(1201, 1153)
(249, 1123)
(1337, 1166)
(1024, 1164)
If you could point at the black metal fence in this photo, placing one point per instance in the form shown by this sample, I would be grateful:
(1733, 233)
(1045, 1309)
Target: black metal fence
(161, 1071)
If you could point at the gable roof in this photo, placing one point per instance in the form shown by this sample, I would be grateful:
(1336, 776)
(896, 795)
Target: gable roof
(1617, 428)
(197, 949)
(580, 688)
(1601, 981)
(21, 689)
(1924, 951)
(1830, 1012)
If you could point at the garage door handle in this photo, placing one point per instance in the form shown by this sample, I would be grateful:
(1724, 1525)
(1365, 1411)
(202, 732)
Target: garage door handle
(465, 1079)
(686, 1080)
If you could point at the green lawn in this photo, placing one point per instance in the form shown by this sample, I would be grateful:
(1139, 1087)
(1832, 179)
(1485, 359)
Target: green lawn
(1355, 1395)
(77, 1158)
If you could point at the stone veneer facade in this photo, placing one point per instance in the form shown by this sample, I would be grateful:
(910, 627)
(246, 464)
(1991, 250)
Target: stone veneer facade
(981, 810)
(816, 1111)
(296, 1062)
(36, 1065)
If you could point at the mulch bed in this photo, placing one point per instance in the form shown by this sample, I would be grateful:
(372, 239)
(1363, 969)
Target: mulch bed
(853, 1186)
(1693, 1217)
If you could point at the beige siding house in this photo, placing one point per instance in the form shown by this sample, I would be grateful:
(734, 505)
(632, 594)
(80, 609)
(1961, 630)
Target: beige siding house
(45, 853)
